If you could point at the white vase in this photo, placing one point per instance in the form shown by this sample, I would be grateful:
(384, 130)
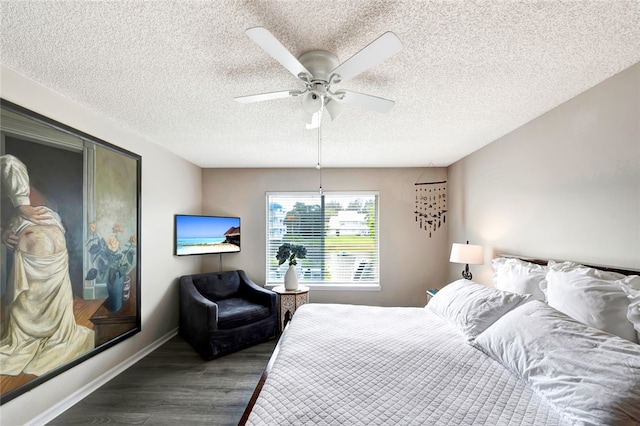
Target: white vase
(291, 279)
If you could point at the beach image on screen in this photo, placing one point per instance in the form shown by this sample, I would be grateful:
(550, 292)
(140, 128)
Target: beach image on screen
(207, 234)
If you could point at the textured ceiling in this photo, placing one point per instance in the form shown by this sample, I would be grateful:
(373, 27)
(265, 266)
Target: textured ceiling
(469, 72)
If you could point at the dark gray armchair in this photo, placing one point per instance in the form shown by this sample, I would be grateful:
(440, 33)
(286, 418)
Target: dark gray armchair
(222, 312)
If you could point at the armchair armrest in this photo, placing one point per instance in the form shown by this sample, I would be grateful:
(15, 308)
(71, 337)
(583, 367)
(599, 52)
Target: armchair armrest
(198, 316)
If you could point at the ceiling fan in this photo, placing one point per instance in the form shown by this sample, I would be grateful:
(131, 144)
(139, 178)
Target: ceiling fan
(319, 69)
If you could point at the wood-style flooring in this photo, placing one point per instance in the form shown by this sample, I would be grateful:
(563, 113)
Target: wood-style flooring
(174, 386)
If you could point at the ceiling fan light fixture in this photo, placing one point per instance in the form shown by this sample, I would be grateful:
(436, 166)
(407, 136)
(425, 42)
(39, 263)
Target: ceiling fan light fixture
(312, 102)
(334, 108)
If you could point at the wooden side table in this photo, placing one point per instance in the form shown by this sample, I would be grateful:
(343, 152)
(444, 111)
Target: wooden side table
(290, 300)
(431, 293)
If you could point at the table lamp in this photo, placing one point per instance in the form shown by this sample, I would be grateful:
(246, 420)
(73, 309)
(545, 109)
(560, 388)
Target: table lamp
(467, 254)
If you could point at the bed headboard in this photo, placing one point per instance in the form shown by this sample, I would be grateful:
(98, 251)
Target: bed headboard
(538, 261)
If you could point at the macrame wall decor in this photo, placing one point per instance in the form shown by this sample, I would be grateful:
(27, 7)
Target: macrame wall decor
(431, 205)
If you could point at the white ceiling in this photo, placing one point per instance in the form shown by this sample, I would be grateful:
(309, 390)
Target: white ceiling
(470, 71)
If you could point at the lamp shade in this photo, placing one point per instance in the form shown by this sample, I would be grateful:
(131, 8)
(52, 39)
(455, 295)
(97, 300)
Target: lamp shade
(334, 107)
(466, 253)
(311, 102)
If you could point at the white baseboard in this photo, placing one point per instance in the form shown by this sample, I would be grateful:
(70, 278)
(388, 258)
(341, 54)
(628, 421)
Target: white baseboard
(77, 396)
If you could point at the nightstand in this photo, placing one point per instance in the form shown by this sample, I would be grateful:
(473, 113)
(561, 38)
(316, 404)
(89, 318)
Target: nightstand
(290, 300)
(431, 293)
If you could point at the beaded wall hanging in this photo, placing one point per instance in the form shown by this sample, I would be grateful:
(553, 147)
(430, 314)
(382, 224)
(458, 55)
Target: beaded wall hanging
(431, 205)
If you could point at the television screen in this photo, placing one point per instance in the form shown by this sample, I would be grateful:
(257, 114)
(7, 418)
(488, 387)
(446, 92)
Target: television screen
(206, 235)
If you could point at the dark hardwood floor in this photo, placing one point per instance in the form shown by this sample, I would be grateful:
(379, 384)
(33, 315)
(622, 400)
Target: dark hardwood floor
(174, 386)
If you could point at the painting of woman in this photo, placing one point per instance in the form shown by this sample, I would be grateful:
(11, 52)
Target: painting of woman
(40, 332)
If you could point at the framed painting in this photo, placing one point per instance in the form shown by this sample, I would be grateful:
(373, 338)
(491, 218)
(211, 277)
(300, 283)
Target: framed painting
(69, 256)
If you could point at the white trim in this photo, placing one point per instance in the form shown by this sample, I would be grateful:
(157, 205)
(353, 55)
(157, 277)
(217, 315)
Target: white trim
(83, 392)
(342, 283)
(330, 192)
(335, 286)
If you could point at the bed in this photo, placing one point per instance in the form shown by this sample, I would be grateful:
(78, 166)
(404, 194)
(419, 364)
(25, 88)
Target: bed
(473, 356)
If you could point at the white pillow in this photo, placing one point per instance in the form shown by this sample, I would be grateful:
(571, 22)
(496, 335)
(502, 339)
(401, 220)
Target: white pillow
(591, 296)
(591, 377)
(518, 276)
(472, 307)
(631, 286)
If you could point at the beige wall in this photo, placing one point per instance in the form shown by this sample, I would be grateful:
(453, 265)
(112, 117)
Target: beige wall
(410, 261)
(164, 179)
(564, 186)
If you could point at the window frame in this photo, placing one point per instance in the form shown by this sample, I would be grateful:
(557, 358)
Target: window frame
(351, 285)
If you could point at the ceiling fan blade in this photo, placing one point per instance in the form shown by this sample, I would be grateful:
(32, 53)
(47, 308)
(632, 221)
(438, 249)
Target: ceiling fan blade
(267, 96)
(267, 41)
(312, 121)
(373, 103)
(376, 52)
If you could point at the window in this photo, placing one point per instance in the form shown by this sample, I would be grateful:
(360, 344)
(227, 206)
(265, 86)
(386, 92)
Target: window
(339, 231)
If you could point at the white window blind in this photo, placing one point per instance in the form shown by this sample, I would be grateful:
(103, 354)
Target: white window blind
(338, 229)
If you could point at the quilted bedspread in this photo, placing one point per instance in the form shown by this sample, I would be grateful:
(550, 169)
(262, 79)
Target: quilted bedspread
(364, 365)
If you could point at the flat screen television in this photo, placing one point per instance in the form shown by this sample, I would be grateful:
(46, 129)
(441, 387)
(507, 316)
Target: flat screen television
(196, 234)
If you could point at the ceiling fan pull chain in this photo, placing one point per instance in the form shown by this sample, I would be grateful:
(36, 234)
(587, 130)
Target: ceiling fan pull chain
(318, 166)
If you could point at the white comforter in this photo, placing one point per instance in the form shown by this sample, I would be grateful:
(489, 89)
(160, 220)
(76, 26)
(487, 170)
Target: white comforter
(362, 365)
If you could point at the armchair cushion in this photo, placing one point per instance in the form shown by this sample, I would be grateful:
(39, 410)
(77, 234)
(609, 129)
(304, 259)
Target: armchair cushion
(217, 286)
(236, 312)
